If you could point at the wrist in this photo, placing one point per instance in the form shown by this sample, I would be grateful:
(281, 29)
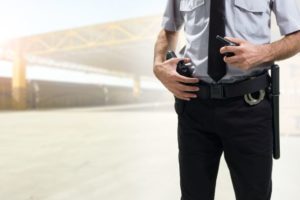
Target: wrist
(156, 68)
(267, 53)
(159, 58)
(158, 61)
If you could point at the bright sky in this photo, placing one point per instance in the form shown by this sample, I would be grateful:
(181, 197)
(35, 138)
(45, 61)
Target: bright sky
(27, 17)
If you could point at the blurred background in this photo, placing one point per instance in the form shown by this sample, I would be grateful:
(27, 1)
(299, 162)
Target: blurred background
(82, 115)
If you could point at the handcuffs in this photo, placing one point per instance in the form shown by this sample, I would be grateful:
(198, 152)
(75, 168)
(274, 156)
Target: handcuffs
(249, 99)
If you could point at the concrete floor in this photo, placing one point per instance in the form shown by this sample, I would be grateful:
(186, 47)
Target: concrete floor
(89, 154)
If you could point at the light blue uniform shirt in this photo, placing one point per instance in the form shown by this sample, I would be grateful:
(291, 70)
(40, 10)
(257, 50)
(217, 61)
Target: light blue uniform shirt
(246, 19)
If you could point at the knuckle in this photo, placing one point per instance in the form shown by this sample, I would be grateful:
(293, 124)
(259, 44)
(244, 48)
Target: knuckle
(180, 88)
(182, 80)
(188, 95)
(186, 88)
(243, 51)
(173, 60)
(243, 57)
(173, 76)
(239, 50)
(191, 89)
(192, 80)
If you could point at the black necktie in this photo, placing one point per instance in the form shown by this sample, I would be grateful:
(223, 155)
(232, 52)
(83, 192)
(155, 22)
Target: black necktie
(216, 65)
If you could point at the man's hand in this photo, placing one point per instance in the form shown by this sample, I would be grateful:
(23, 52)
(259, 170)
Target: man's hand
(247, 55)
(167, 74)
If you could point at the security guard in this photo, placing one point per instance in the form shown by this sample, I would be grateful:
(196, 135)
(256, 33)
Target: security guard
(213, 114)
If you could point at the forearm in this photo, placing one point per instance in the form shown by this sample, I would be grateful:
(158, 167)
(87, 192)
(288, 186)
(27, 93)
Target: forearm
(165, 70)
(166, 40)
(284, 48)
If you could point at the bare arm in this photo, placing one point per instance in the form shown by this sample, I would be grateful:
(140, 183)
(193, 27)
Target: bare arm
(249, 55)
(167, 40)
(165, 71)
(284, 48)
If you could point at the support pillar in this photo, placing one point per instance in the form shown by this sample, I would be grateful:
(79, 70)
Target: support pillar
(136, 87)
(19, 83)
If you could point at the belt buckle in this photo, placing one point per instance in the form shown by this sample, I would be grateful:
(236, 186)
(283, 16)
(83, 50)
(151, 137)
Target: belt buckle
(216, 91)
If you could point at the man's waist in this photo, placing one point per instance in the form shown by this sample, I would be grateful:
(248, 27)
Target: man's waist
(227, 90)
(232, 75)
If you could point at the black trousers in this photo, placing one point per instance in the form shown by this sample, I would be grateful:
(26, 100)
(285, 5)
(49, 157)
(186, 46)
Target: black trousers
(208, 128)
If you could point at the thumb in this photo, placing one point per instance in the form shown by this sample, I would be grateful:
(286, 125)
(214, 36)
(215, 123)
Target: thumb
(187, 60)
(236, 40)
(177, 60)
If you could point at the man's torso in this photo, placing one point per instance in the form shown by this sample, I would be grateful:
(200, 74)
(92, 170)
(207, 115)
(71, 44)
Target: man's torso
(246, 19)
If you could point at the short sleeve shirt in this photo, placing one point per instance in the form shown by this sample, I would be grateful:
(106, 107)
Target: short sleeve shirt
(246, 19)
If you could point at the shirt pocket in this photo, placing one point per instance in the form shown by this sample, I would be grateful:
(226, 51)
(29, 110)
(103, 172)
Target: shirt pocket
(251, 17)
(194, 14)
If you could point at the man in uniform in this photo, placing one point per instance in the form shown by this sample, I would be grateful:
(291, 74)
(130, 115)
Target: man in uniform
(211, 121)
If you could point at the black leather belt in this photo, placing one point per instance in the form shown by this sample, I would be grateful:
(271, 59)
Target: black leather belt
(240, 88)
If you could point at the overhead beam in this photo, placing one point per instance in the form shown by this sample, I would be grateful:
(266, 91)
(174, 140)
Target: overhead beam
(110, 34)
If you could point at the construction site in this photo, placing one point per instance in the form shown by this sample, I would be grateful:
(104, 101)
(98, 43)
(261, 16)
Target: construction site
(84, 118)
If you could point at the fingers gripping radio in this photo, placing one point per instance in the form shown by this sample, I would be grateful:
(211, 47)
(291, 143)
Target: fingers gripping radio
(184, 69)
